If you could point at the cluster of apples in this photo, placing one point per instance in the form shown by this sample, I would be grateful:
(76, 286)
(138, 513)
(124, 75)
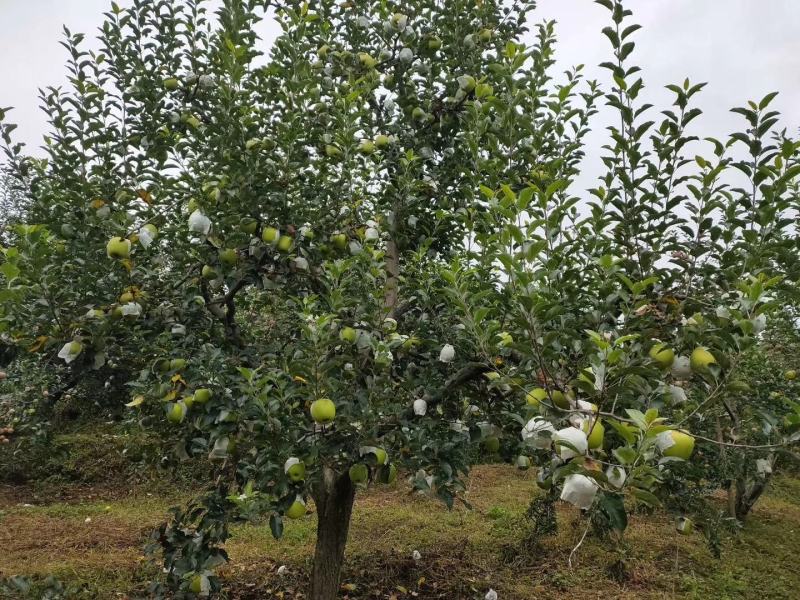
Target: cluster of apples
(270, 235)
(365, 146)
(176, 411)
(700, 360)
(385, 472)
(119, 248)
(587, 431)
(5, 434)
(295, 470)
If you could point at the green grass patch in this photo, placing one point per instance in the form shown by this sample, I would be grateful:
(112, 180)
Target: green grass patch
(94, 547)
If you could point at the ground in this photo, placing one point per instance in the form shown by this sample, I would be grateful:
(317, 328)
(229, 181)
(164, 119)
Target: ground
(95, 537)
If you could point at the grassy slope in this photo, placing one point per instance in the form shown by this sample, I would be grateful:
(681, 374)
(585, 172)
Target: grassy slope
(464, 552)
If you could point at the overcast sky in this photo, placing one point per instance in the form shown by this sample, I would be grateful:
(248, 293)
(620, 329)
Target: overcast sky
(743, 48)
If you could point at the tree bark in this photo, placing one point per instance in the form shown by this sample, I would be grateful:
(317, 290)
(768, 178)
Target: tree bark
(730, 484)
(334, 500)
(748, 491)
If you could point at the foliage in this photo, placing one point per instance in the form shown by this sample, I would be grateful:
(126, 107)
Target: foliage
(382, 215)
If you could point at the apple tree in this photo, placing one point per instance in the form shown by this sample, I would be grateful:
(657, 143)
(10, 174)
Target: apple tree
(617, 323)
(258, 244)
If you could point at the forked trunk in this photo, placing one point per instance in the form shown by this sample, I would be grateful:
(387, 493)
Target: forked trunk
(334, 500)
(747, 494)
(750, 489)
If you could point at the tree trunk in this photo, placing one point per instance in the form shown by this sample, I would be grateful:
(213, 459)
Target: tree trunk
(730, 485)
(748, 491)
(334, 500)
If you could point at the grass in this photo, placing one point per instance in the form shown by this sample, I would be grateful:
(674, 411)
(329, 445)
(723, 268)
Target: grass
(96, 541)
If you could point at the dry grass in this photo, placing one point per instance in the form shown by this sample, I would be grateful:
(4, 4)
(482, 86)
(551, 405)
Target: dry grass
(463, 552)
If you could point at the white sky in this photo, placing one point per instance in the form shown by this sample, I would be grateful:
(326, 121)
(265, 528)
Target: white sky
(744, 48)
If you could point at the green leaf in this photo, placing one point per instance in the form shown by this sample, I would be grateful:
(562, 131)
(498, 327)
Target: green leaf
(276, 525)
(646, 497)
(765, 102)
(11, 272)
(625, 454)
(613, 507)
(638, 418)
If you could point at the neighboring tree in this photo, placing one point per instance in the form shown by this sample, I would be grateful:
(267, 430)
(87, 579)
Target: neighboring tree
(636, 306)
(759, 408)
(364, 257)
(11, 206)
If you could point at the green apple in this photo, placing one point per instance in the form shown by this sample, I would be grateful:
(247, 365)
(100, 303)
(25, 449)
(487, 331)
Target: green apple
(598, 431)
(535, 396)
(559, 399)
(366, 147)
(126, 298)
(434, 43)
(382, 141)
(790, 375)
(228, 256)
(339, 241)
(209, 272)
(162, 366)
(196, 584)
(380, 456)
(176, 364)
(323, 411)
(467, 83)
(387, 474)
(701, 359)
(118, 248)
(151, 229)
(491, 444)
(359, 473)
(682, 447)
(332, 151)
(202, 395)
(366, 60)
(348, 334)
(284, 244)
(523, 463)
(485, 35)
(411, 343)
(171, 83)
(322, 52)
(297, 509)
(662, 355)
(418, 114)
(176, 411)
(270, 235)
(684, 526)
(248, 225)
(295, 469)
(75, 348)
